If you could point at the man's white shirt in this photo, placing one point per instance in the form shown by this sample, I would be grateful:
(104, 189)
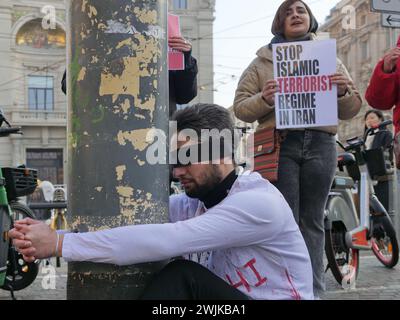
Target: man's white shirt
(250, 240)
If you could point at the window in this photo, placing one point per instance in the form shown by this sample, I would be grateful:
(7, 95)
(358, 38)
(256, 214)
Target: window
(363, 20)
(48, 162)
(40, 93)
(34, 36)
(180, 4)
(364, 50)
(345, 58)
(388, 40)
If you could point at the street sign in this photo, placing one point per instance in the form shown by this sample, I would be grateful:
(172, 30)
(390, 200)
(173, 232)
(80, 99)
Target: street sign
(391, 20)
(392, 6)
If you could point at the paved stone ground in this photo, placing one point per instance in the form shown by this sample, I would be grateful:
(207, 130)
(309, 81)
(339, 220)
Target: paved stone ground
(375, 282)
(50, 284)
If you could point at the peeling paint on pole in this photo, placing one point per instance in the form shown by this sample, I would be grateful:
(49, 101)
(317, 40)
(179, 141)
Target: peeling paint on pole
(117, 93)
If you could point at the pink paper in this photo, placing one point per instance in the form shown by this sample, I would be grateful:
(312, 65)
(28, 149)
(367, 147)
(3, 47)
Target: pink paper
(176, 59)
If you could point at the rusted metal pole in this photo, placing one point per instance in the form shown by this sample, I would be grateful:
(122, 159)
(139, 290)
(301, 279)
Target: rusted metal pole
(117, 92)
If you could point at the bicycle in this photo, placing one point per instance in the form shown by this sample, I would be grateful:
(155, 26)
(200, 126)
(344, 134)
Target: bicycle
(15, 273)
(58, 219)
(355, 219)
(55, 200)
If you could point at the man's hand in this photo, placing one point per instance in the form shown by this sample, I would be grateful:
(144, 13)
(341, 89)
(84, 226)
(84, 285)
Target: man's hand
(33, 239)
(179, 43)
(390, 60)
(268, 93)
(342, 82)
(23, 244)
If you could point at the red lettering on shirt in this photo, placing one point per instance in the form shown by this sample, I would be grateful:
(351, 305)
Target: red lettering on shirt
(295, 293)
(251, 264)
(243, 282)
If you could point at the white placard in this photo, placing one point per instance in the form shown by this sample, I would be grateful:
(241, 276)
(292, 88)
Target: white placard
(307, 98)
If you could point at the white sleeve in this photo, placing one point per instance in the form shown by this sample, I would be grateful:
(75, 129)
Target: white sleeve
(224, 226)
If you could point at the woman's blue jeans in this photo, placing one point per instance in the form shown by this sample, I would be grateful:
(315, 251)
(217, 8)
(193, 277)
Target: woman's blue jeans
(307, 165)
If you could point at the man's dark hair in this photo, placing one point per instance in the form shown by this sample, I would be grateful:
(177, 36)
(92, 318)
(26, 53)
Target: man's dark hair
(203, 116)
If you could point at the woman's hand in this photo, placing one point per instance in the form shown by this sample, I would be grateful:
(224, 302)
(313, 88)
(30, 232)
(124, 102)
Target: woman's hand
(390, 60)
(342, 82)
(268, 93)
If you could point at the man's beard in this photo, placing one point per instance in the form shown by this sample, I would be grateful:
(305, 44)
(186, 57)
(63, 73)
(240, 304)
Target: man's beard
(209, 181)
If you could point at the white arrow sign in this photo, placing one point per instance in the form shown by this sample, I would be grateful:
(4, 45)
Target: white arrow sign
(392, 6)
(391, 20)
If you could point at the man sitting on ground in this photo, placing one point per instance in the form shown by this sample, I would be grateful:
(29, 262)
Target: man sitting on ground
(237, 234)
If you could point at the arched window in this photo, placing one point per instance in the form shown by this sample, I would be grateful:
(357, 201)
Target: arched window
(33, 35)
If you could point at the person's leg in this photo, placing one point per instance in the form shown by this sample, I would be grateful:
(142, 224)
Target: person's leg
(289, 170)
(187, 280)
(382, 192)
(315, 182)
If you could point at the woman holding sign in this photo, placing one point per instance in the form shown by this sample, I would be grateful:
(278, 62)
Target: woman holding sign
(307, 159)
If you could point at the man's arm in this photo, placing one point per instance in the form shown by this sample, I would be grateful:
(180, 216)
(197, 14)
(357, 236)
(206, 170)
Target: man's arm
(234, 224)
(147, 243)
(185, 81)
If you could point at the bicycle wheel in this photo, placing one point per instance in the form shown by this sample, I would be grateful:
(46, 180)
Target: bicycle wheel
(343, 261)
(20, 274)
(384, 241)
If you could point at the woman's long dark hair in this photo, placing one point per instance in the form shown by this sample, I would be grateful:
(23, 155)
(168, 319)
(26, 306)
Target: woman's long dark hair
(278, 25)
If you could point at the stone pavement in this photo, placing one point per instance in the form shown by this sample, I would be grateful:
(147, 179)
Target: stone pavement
(374, 282)
(50, 284)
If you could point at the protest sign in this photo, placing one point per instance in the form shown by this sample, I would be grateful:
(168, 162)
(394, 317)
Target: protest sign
(307, 98)
(176, 59)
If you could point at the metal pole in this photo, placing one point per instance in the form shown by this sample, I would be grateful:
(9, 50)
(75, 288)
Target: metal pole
(396, 200)
(5, 222)
(117, 92)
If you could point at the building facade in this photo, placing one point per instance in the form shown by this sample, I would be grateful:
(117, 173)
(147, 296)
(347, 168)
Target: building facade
(361, 42)
(32, 62)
